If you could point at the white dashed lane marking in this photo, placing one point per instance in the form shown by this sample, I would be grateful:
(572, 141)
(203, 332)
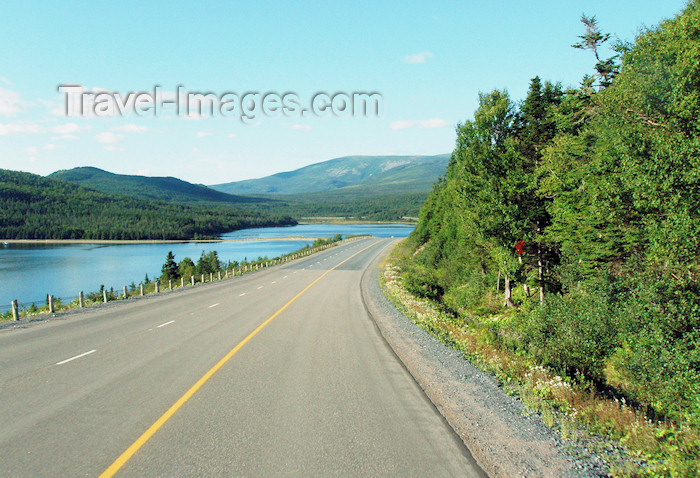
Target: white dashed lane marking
(76, 357)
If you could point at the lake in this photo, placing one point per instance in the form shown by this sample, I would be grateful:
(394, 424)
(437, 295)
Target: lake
(28, 272)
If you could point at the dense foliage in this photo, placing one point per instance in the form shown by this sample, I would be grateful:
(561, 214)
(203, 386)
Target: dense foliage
(581, 208)
(33, 207)
(359, 203)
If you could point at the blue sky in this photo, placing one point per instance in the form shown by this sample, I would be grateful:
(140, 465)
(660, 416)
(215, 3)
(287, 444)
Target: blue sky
(428, 60)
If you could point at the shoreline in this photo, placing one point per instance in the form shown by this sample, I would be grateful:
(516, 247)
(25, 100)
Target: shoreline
(359, 222)
(152, 241)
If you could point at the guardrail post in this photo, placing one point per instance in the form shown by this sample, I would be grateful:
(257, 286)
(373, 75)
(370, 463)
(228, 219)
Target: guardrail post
(81, 299)
(15, 310)
(51, 308)
(141, 289)
(104, 295)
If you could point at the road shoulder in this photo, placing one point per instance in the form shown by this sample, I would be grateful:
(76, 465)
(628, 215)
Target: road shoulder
(504, 436)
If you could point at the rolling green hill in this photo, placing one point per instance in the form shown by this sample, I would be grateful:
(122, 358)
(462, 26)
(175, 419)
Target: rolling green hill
(153, 188)
(34, 207)
(380, 174)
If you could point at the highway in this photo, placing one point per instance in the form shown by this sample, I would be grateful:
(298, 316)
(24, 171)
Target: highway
(280, 372)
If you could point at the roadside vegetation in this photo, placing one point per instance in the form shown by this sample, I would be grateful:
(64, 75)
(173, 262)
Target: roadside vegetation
(208, 268)
(560, 249)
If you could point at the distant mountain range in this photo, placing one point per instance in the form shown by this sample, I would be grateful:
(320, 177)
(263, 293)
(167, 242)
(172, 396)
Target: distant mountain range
(362, 187)
(379, 174)
(142, 187)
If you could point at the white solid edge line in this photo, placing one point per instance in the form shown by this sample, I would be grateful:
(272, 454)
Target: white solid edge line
(242, 294)
(76, 357)
(213, 305)
(163, 325)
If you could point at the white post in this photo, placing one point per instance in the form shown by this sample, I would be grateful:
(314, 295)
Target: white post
(170, 284)
(192, 279)
(202, 278)
(157, 286)
(51, 308)
(220, 275)
(141, 289)
(81, 299)
(104, 295)
(15, 310)
(125, 294)
(182, 281)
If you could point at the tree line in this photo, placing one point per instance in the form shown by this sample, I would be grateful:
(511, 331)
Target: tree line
(34, 207)
(578, 210)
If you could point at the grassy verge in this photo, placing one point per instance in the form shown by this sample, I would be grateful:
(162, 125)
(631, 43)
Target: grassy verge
(631, 443)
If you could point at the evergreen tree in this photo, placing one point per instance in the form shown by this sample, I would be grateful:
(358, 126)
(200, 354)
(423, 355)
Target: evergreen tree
(170, 268)
(593, 40)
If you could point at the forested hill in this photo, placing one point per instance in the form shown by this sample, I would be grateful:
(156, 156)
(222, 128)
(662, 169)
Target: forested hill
(389, 174)
(585, 202)
(158, 188)
(34, 207)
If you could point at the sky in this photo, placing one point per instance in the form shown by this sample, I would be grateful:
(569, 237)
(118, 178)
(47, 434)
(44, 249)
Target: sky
(427, 60)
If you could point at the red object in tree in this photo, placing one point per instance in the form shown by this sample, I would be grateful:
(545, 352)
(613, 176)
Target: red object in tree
(519, 247)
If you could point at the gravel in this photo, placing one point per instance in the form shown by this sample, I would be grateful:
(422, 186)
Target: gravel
(505, 437)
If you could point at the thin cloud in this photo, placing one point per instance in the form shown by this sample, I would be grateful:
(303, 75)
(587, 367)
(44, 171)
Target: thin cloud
(399, 125)
(10, 103)
(130, 128)
(301, 127)
(68, 129)
(431, 123)
(204, 134)
(108, 138)
(19, 128)
(418, 58)
(49, 147)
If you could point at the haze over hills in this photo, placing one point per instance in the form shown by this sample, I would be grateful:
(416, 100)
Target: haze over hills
(381, 174)
(359, 187)
(154, 188)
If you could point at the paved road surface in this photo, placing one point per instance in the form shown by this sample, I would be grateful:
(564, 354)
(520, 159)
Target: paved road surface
(314, 392)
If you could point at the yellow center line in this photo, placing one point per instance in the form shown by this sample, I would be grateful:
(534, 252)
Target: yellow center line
(119, 462)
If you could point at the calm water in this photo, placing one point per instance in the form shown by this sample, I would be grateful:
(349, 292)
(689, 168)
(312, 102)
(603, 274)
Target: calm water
(29, 272)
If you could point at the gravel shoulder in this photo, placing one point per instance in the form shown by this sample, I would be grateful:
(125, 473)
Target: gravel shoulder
(504, 436)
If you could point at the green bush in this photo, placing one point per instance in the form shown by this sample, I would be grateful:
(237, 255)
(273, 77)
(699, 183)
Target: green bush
(574, 333)
(423, 285)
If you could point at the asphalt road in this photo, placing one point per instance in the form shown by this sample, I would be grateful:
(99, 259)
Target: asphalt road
(164, 386)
